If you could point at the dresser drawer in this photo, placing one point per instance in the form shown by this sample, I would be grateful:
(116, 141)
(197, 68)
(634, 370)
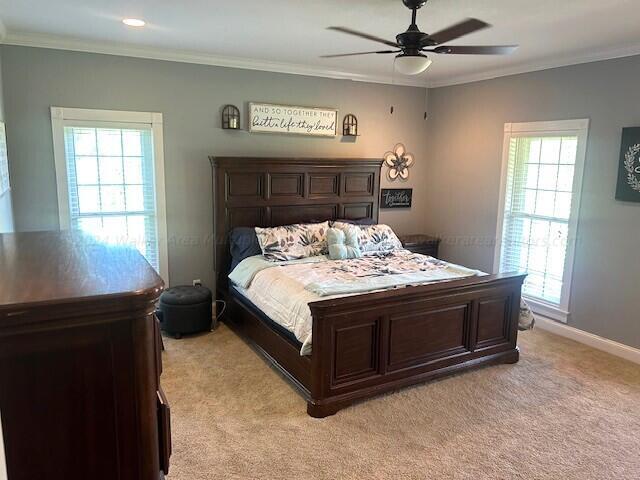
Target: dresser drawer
(164, 431)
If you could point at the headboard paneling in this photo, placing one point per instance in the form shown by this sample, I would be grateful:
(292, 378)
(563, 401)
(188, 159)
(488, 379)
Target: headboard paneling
(268, 192)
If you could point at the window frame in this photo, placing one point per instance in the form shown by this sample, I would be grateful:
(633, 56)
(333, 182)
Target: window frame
(580, 129)
(4, 163)
(62, 116)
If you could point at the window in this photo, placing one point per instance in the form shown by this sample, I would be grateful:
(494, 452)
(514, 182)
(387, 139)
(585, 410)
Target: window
(540, 198)
(110, 176)
(4, 162)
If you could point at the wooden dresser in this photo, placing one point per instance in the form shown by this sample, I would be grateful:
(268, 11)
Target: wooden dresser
(80, 366)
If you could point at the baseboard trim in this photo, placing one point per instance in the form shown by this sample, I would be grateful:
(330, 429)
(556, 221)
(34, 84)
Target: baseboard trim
(586, 338)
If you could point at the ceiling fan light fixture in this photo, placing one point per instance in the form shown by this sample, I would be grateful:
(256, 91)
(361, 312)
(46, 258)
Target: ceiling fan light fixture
(412, 64)
(134, 22)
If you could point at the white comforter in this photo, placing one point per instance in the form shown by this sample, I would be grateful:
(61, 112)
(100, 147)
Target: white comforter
(283, 290)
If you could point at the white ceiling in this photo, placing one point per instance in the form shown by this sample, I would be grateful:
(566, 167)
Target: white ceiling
(290, 35)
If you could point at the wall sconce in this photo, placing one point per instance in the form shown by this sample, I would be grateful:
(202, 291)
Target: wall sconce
(350, 126)
(230, 118)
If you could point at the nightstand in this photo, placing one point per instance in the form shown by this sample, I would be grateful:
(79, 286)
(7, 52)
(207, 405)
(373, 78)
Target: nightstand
(423, 244)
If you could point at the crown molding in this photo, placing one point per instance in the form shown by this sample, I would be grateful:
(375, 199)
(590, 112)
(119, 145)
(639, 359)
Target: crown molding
(547, 64)
(154, 53)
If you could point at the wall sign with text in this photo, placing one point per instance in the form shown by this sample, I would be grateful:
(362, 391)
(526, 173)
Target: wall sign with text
(628, 188)
(396, 197)
(269, 118)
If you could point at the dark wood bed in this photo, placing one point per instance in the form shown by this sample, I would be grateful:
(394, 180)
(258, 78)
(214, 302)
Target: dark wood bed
(367, 344)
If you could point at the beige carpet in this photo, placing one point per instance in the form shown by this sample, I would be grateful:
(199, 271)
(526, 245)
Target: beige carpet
(564, 412)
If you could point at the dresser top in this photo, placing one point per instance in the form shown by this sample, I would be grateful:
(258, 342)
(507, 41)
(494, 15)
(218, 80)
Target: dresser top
(49, 269)
(418, 239)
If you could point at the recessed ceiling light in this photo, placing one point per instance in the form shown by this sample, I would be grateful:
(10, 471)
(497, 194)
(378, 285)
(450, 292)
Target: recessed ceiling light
(134, 22)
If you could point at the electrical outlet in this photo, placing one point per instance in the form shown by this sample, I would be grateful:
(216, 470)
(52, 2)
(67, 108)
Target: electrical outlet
(197, 282)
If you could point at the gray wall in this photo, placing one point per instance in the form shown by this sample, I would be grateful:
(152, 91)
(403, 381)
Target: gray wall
(466, 131)
(190, 97)
(6, 214)
(458, 152)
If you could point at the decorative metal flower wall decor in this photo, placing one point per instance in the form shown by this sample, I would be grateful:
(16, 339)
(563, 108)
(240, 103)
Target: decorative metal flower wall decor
(398, 161)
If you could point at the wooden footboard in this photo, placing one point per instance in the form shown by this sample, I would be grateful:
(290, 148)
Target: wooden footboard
(365, 345)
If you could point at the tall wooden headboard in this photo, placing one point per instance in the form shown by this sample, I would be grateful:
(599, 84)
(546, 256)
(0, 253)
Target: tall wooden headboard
(268, 192)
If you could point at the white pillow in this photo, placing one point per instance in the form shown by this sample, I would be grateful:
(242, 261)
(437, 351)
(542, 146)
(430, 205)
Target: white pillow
(373, 238)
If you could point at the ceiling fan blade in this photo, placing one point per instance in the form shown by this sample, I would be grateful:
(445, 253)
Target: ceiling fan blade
(470, 50)
(359, 53)
(349, 31)
(458, 30)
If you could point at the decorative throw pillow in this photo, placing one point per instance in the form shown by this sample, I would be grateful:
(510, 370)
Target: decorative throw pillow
(343, 244)
(373, 238)
(291, 242)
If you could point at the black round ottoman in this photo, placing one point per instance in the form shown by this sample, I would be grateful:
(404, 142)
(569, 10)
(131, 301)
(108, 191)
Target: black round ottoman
(185, 309)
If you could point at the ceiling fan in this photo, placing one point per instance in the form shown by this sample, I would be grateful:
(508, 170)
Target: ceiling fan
(411, 44)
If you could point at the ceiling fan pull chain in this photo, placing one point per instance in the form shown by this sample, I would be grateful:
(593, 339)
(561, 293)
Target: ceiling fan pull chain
(426, 102)
(393, 81)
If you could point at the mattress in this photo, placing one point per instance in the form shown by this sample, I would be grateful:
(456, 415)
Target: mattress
(266, 319)
(283, 290)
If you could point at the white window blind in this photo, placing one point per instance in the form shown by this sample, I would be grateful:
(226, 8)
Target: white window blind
(110, 174)
(543, 176)
(4, 162)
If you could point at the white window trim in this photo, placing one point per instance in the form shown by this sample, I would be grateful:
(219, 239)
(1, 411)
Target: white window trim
(579, 128)
(8, 190)
(119, 119)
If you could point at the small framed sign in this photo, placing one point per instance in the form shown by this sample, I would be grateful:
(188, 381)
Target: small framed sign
(628, 188)
(270, 118)
(396, 197)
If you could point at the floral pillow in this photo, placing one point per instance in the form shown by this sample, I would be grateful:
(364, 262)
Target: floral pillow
(373, 238)
(291, 242)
